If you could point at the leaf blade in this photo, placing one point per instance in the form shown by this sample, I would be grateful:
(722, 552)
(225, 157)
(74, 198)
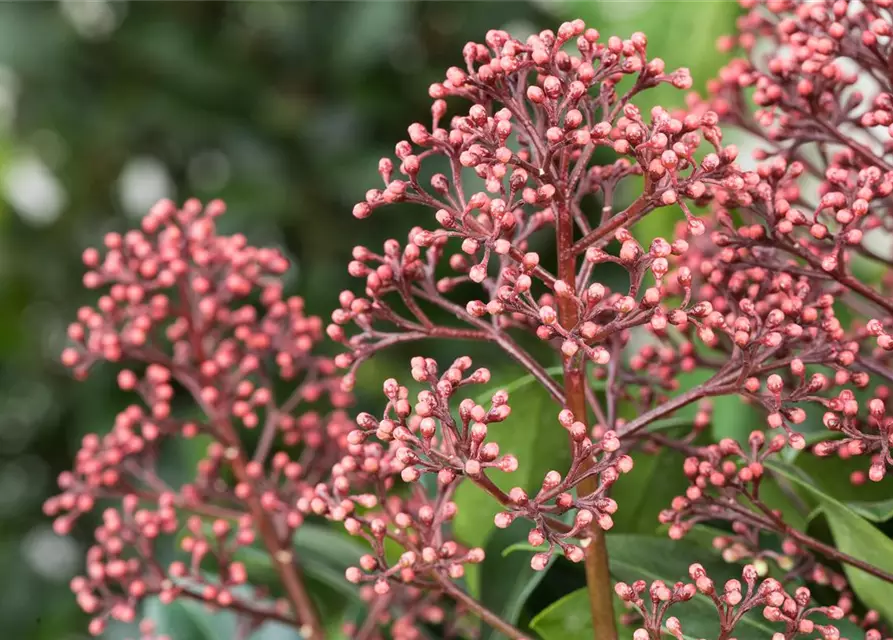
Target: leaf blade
(856, 537)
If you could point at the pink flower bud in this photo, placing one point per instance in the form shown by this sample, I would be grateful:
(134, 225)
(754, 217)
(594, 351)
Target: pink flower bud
(539, 561)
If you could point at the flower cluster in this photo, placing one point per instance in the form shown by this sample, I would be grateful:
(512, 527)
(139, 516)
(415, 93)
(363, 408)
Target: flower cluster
(825, 213)
(542, 112)
(795, 612)
(208, 338)
(539, 114)
(424, 438)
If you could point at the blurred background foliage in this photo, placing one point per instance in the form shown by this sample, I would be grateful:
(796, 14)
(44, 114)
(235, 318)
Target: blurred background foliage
(283, 110)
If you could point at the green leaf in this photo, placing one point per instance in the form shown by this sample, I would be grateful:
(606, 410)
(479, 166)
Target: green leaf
(518, 383)
(321, 542)
(641, 494)
(701, 535)
(777, 493)
(323, 554)
(568, 618)
(668, 423)
(732, 417)
(856, 537)
(874, 511)
(191, 619)
(832, 476)
(279, 631)
(507, 582)
(533, 435)
(565, 619)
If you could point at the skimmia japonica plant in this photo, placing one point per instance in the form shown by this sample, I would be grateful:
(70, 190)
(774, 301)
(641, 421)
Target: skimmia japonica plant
(535, 184)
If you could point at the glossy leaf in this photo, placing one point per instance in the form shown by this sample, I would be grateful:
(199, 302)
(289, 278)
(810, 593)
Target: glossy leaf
(855, 536)
(874, 511)
(565, 619)
(193, 620)
(323, 553)
(641, 494)
(648, 558)
(832, 476)
(507, 580)
(189, 619)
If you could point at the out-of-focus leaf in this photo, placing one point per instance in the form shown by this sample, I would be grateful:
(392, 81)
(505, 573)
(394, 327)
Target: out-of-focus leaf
(507, 580)
(319, 541)
(189, 619)
(279, 631)
(372, 31)
(778, 494)
(668, 423)
(732, 417)
(832, 476)
(701, 535)
(856, 537)
(323, 554)
(195, 621)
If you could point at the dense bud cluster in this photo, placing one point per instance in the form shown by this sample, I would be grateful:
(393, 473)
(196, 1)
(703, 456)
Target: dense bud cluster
(530, 179)
(732, 603)
(758, 293)
(824, 215)
(207, 338)
(411, 440)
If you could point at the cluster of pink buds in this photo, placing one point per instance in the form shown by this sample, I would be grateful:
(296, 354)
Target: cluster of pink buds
(541, 111)
(720, 476)
(423, 437)
(416, 607)
(725, 486)
(732, 604)
(520, 90)
(784, 347)
(817, 202)
(198, 319)
(557, 497)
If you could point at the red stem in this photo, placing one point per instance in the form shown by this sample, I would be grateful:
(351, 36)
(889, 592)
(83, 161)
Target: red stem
(633, 212)
(598, 577)
(281, 555)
